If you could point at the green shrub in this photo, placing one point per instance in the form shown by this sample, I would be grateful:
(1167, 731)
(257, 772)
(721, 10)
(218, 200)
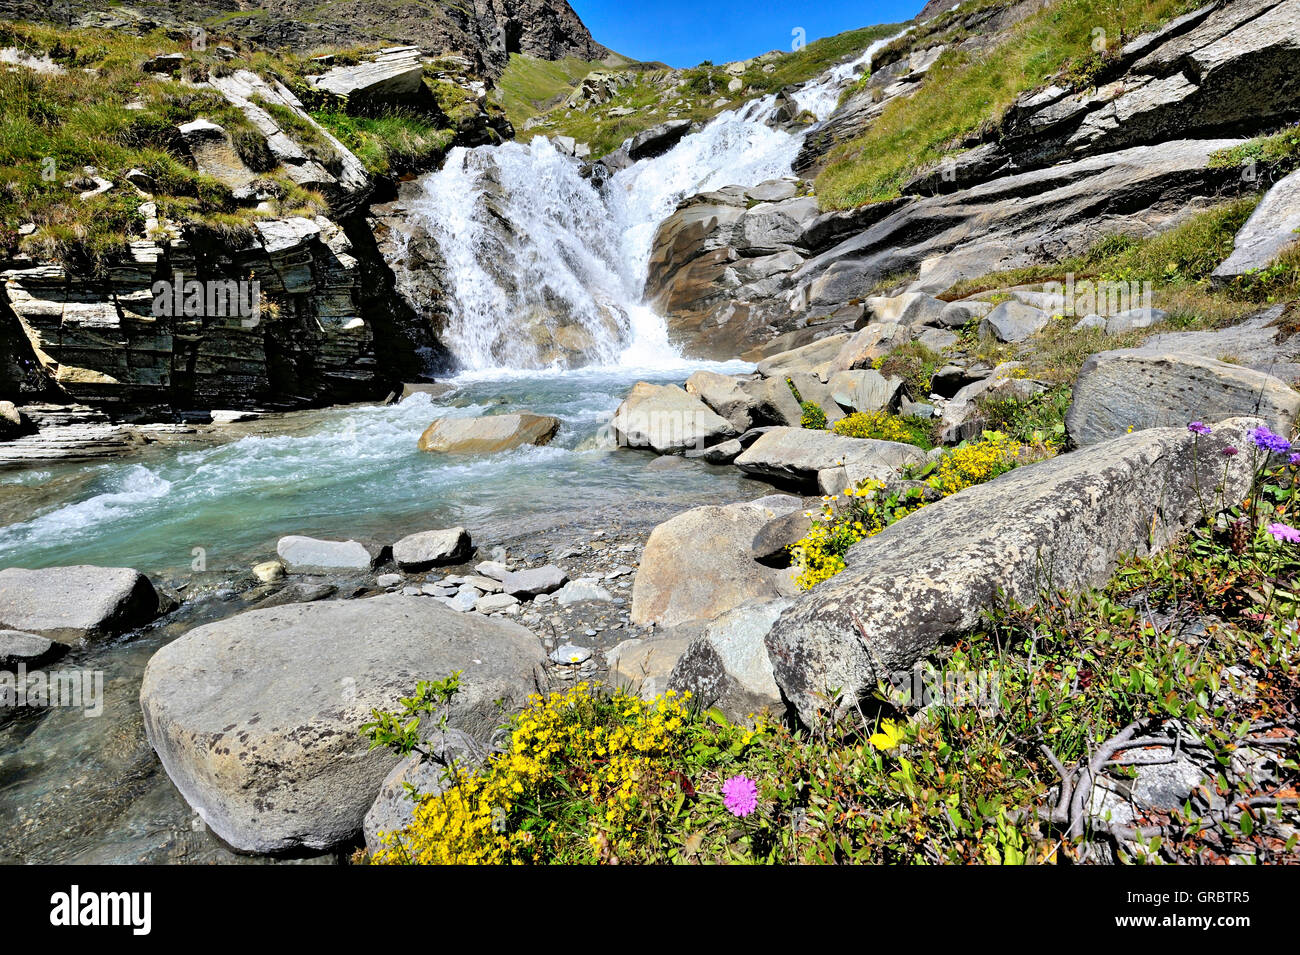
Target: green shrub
(883, 426)
(813, 416)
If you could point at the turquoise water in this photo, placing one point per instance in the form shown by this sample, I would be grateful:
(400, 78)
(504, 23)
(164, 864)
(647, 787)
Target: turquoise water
(347, 473)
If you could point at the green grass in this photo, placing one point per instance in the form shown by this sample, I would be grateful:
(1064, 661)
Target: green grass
(104, 111)
(1178, 263)
(965, 92)
(389, 145)
(654, 96)
(531, 86)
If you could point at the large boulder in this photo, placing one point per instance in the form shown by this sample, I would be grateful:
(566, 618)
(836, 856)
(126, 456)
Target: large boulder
(1013, 321)
(813, 357)
(771, 402)
(799, 456)
(488, 434)
(1134, 389)
(426, 550)
(1274, 225)
(727, 666)
(725, 395)
(256, 718)
(697, 565)
(429, 774)
(865, 389)
(391, 74)
(667, 420)
(1063, 523)
(72, 604)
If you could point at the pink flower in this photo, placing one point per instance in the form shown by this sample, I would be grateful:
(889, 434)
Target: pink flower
(1197, 428)
(740, 795)
(1284, 532)
(1229, 452)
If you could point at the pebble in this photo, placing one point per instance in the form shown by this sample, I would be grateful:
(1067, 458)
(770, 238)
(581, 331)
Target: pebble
(494, 602)
(389, 580)
(570, 655)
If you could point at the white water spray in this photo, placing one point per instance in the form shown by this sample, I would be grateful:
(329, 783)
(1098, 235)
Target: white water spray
(547, 270)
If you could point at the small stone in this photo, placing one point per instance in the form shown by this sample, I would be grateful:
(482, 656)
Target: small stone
(570, 655)
(269, 571)
(388, 580)
(495, 569)
(539, 580)
(494, 602)
(580, 590)
(464, 601)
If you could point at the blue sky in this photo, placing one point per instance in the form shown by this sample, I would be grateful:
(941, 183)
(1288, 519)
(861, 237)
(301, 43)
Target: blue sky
(686, 32)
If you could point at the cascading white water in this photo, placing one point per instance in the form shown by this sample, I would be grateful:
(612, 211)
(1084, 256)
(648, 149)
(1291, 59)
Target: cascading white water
(821, 96)
(546, 269)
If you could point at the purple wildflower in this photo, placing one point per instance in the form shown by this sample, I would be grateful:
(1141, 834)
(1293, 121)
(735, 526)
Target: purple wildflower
(1284, 532)
(1269, 441)
(1294, 460)
(1197, 427)
(1229, 452)
(740, 795)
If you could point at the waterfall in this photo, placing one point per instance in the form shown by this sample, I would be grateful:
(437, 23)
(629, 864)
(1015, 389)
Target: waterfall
(547, 269)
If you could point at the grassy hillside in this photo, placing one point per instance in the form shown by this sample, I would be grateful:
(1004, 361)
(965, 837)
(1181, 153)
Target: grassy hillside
(530, 87)
(964, 93)
(655, 95)
(95, 105)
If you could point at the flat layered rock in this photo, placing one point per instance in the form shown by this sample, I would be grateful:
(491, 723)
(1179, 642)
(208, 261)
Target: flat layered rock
(72, 604)
(1271, 228)
(301, 554)
(1134, 389)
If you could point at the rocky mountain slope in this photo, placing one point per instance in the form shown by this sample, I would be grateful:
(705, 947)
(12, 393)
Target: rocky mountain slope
(486, 31)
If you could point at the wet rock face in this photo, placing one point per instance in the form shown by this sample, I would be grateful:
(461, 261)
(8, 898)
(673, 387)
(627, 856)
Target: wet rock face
(255, 717)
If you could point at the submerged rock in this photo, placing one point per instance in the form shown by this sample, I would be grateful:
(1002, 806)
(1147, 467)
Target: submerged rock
(489, 433)
(256, 718)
